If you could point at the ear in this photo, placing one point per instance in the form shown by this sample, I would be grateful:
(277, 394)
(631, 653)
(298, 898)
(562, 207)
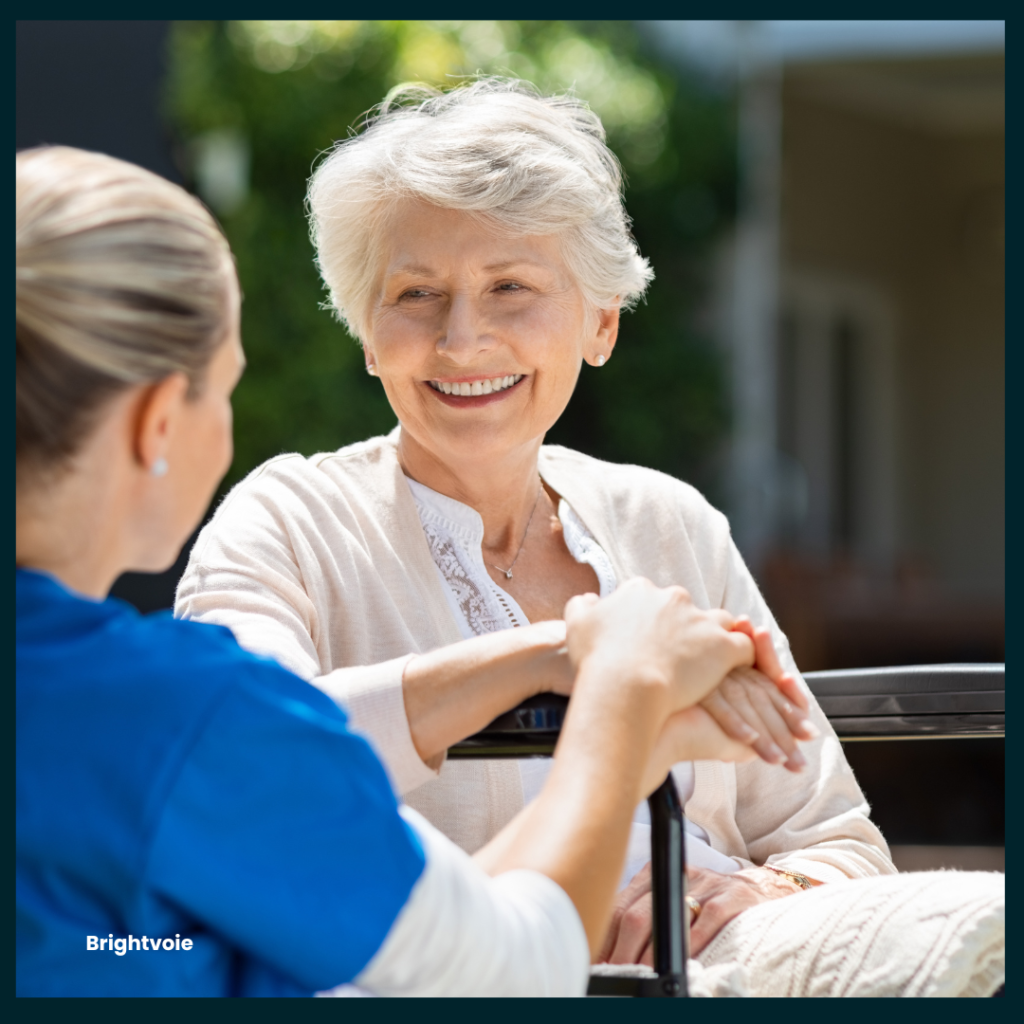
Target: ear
(604, 335)
(158, 414)
(371, 360)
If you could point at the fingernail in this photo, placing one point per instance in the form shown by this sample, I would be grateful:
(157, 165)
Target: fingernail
(751, 736)
(777, 754)
(811, 731)
(797, 760)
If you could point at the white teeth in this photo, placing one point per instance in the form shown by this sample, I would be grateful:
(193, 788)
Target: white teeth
(478, 387)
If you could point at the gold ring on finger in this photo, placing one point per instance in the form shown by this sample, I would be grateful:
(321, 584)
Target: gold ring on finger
(694, 906)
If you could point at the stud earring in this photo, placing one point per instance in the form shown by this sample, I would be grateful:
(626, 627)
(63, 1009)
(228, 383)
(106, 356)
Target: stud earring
(371, 369)
(159, 467)
(600, 361)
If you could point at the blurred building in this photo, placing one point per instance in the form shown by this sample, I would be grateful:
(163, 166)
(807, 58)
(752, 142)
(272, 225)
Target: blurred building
(863, 306)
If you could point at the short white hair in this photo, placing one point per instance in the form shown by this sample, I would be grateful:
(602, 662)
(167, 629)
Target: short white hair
(533, 164)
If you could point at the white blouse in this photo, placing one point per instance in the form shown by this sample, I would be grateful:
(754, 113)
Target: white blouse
(455, 533)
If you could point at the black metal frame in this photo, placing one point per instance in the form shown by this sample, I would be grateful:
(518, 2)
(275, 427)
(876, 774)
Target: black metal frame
(919, 702)
(913, 701)
(670, 933)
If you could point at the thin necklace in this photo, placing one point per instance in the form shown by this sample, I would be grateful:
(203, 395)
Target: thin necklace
(508, 571)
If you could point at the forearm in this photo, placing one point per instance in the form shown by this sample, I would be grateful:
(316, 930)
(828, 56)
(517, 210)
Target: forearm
(464, 934)
(453, 692)
(577, 830)
(644, 656)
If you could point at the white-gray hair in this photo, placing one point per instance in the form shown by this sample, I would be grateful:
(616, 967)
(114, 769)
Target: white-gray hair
(533, 164)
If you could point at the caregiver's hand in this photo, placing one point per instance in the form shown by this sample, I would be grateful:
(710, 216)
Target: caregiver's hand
(658, 634)
(721, 898)
(691, 735)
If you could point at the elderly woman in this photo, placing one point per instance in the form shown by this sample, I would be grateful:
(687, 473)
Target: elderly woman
(477, 245)
(160, 850)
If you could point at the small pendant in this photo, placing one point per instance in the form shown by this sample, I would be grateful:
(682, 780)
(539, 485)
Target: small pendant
(508, 574)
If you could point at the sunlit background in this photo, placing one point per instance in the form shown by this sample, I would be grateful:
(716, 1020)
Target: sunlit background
(821, 351)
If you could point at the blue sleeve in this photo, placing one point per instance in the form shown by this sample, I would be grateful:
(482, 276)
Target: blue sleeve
(283, 836)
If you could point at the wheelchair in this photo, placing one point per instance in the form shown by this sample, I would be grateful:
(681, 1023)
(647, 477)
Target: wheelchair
(871, 704)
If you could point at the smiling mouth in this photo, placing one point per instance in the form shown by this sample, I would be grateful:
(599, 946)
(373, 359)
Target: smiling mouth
(477, 387)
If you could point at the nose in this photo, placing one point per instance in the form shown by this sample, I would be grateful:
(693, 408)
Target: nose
(464, 331)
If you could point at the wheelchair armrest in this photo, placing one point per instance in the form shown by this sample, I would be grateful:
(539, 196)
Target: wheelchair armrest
(903, 702)
(913, 701)
(529, 730)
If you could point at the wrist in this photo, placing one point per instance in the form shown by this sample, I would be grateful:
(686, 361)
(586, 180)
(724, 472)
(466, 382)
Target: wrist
(795, 879)
(620, 711)
(549, 669)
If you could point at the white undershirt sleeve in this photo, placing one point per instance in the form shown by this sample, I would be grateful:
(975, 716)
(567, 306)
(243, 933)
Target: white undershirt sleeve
(463, 933)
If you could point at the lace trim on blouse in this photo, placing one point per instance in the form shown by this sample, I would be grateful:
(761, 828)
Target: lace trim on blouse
(454, 534)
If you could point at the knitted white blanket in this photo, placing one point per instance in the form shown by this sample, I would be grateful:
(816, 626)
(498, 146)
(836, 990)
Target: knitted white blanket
(936, 933)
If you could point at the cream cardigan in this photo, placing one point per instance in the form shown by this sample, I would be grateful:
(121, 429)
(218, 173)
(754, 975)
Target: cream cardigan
(322, 564)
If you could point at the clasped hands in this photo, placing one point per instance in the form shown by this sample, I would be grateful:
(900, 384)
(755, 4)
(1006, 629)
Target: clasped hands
(732, 699)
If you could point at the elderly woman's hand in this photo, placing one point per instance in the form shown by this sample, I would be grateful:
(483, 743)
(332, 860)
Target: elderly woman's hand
(751, 709)
(721, 898)
(763, 706)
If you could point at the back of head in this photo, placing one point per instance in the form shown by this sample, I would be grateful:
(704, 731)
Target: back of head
(496, 148)
(122, 278)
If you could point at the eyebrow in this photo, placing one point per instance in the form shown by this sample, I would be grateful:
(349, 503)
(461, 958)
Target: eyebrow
(419, 270)
(521, 262)
(415, 269)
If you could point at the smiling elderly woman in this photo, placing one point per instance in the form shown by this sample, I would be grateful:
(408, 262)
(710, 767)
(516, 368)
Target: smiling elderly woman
(477, 245)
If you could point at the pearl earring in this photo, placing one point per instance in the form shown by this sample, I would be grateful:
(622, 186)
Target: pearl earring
(371, 369)
(159, 467)
(600, 361)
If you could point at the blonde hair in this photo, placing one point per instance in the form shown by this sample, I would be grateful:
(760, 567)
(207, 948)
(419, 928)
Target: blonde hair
(121, 278)
(533, 164)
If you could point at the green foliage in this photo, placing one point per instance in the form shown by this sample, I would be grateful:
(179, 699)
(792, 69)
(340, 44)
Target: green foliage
(290, 89)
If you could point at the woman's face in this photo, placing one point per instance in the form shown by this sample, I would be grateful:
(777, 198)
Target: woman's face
(463, 307)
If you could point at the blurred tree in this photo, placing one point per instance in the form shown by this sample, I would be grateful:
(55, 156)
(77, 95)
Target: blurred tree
(255, 103)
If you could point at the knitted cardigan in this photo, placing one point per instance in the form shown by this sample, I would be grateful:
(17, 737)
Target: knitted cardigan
(322, 564)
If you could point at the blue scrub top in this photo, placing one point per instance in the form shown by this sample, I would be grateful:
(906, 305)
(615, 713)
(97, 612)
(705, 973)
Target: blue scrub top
(172, 786)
